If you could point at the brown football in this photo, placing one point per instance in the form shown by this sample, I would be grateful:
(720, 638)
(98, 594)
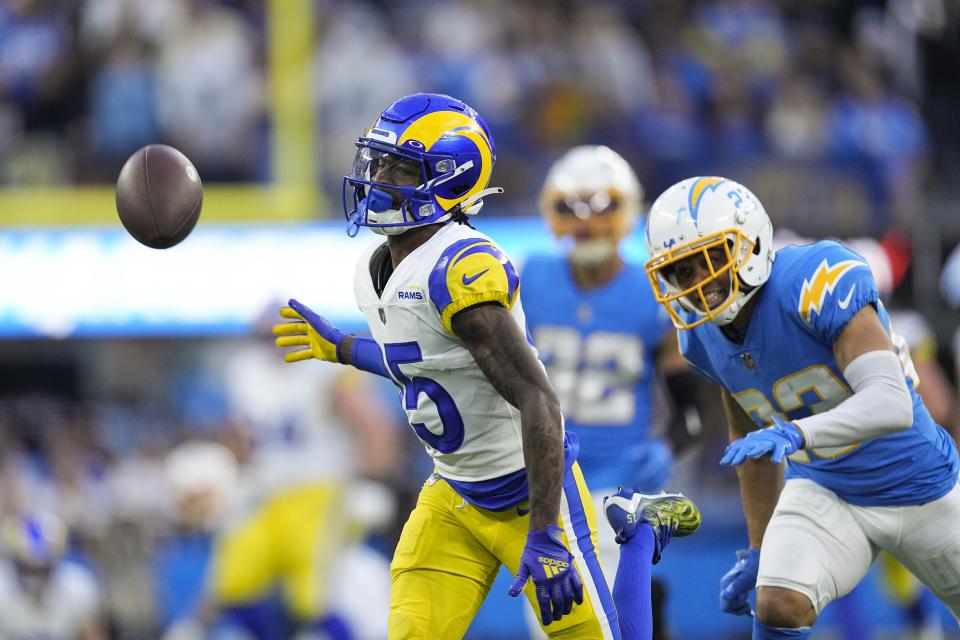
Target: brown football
(159, 196)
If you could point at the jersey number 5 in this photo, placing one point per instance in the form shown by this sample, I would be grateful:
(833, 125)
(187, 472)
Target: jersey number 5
(451, 434)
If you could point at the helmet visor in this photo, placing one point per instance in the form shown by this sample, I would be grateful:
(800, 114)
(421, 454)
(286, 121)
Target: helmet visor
(603, 212)
(586, 206)
(387, 168)
(400, 175)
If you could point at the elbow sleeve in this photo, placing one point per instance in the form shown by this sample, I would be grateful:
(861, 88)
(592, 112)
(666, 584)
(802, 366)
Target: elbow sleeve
(880, 374)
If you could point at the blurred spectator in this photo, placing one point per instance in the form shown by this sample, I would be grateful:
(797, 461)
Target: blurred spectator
(358, 67)
(105, 21)
(35, 45)
(950, 279)
(209, 91)
(869, 122)
(796, 122)
(122, 99)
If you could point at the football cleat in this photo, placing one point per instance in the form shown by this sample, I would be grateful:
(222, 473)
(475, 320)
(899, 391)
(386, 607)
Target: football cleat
(668, 514)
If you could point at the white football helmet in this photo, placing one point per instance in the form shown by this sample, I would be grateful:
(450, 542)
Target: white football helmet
(203, 478)
(694, 216)
(592, 185)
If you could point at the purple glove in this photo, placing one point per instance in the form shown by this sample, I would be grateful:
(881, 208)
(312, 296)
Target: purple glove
(547, 561)
(779, 440)
(736, 584)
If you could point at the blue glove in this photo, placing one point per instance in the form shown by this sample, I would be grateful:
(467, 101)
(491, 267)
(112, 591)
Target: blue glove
(547, 561)
(321, 339)
(736, 584)
(779, 440)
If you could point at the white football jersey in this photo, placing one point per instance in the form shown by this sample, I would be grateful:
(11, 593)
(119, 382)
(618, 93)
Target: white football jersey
(471, 432)
(68, 605)
(297, 437)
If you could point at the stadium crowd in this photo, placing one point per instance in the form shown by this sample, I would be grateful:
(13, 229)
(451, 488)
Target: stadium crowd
(741, 82)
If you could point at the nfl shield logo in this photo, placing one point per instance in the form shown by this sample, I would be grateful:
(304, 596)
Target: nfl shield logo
(383, 315)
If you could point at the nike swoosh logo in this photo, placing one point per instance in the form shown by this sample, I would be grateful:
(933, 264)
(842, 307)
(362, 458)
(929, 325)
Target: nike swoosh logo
(468, 281)
(522, 512)
(843, 304)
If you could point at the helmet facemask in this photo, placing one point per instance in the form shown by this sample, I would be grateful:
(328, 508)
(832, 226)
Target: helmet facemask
(604, 215)
(390, 188)
(590, 199)
(737, 250)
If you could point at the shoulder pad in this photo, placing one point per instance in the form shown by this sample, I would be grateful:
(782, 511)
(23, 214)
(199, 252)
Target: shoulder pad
(826, 286)
(469, 272)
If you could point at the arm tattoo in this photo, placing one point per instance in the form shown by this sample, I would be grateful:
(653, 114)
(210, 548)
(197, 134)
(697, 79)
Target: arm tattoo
(506, 359)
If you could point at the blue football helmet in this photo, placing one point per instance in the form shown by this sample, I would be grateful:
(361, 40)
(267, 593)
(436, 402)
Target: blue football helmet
(427, 159)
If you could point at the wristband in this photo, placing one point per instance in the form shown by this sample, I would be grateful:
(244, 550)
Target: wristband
(366, 356)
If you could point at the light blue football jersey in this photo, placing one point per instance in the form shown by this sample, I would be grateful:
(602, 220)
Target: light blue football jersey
(599, 347)
(786, 366)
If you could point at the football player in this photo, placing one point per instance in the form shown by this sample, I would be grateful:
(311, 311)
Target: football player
(601, 333)
(801, 346)
(284, 528)
(442, 302)
(43, 595)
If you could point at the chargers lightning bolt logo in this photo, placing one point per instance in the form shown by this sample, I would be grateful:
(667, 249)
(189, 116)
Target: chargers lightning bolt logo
(697, 189)
(823, 281)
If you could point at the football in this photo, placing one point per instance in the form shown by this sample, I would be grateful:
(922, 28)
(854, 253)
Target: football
(159, 196)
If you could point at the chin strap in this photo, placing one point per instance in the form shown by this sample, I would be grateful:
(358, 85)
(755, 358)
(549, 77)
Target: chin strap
(729, 314)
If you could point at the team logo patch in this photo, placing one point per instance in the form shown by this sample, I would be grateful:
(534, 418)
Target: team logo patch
(697, 189)
(823, 281)
(383, 134)
(410, 294)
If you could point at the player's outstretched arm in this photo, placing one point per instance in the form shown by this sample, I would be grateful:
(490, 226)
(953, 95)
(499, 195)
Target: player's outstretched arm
(323, 341)
(881, 402)
(501, 351)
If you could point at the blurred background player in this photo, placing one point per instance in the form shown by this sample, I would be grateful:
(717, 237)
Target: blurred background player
(602, 336)
(301, 438)
(867, 469)
(42, 594)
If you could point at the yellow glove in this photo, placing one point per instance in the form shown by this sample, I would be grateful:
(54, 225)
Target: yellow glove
(321, 339)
